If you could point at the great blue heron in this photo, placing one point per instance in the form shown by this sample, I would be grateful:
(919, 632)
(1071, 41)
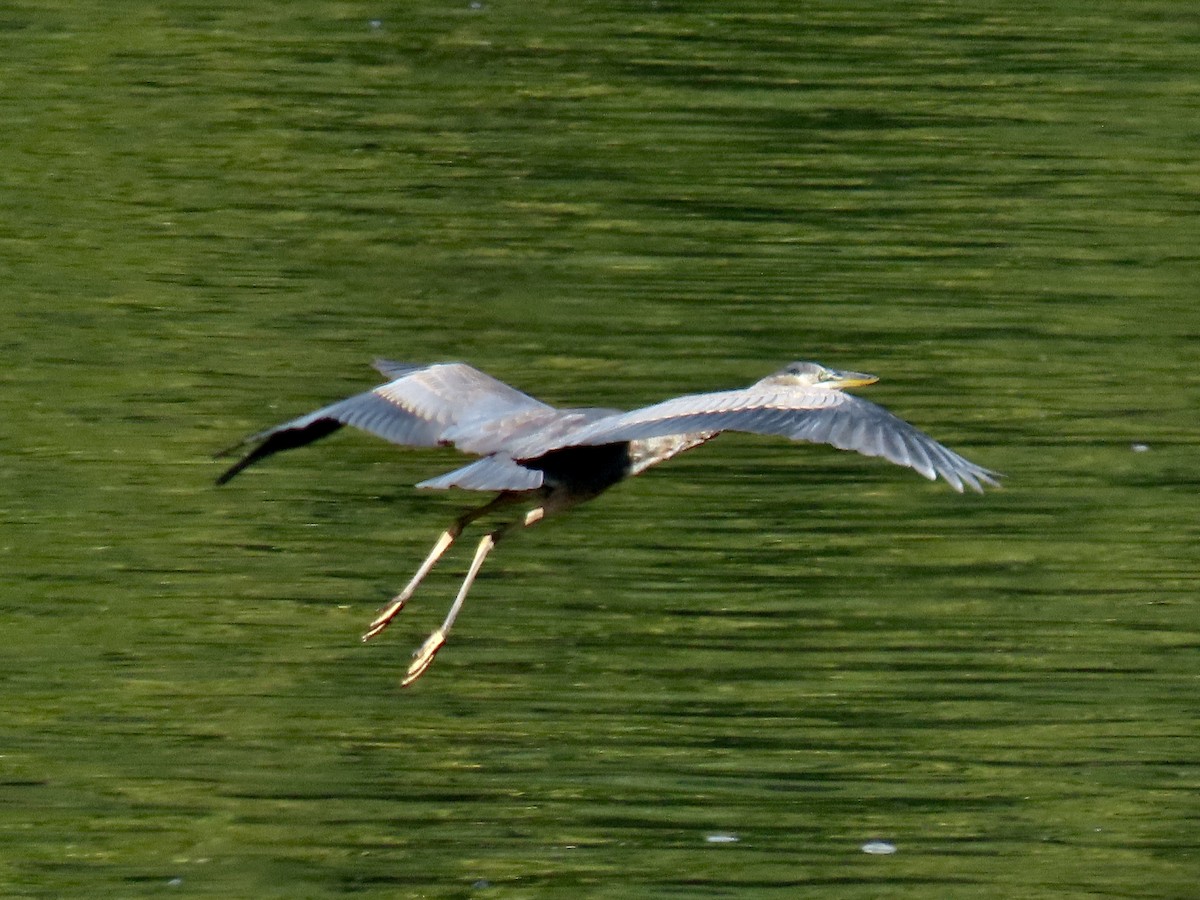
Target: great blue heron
(556, 458)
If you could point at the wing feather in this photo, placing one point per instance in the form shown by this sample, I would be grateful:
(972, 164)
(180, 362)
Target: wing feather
(393, 370)
(422, 406)
(817, 415)
(492, 473)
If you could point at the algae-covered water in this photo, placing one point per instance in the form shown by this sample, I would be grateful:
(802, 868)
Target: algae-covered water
(723, 679)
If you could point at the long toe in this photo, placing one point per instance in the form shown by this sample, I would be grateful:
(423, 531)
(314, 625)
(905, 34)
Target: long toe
(384, 619)
(423, 657)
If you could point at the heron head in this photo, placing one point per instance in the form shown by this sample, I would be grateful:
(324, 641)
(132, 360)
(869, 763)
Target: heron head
(811, 374)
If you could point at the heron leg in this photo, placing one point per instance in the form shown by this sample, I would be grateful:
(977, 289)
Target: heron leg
(423, 657)
(385, 615)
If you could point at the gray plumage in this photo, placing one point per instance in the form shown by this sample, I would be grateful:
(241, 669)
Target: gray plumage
(556, 458)
(455, 404)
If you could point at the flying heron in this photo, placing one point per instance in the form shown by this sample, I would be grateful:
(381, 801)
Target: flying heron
(553, 459)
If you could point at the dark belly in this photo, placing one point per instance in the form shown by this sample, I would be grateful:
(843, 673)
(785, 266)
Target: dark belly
(584, 470)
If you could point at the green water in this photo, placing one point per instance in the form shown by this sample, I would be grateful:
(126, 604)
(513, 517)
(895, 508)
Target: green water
(211, 219)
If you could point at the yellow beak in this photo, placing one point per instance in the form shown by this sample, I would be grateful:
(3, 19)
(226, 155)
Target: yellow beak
(854, 379)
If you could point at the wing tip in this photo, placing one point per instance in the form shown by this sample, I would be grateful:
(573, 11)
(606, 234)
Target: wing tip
(233, 470)
(389, 368)
(975, 478)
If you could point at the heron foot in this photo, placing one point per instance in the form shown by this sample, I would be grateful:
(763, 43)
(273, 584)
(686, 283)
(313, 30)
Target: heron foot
(384, 618)
(423, 657)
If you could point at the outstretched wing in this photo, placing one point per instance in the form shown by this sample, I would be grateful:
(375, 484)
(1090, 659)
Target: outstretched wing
(423, 406)
(818, 415)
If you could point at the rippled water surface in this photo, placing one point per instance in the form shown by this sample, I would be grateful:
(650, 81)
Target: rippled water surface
(748, 673)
